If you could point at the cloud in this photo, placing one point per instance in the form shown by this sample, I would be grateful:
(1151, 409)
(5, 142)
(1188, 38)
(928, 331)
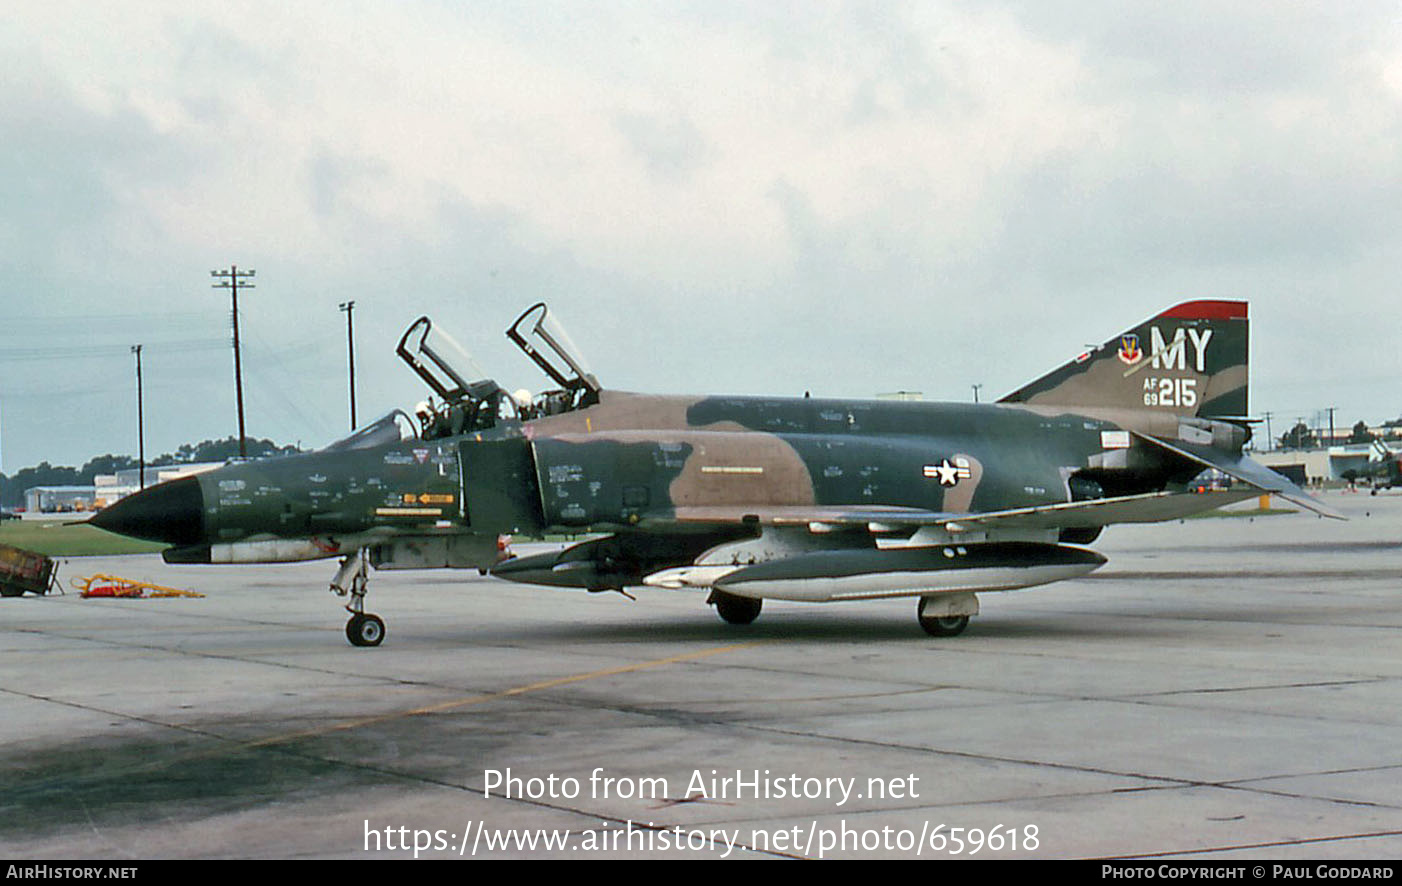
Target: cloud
(847, 197)
(670, 148)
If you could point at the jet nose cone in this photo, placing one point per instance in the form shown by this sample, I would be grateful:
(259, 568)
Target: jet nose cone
(171, 512)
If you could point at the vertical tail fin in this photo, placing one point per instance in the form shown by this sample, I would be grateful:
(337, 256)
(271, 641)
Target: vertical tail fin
(1189, 360)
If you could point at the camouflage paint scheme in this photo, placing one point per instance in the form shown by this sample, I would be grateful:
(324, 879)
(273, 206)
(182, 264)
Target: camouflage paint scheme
(759, 497)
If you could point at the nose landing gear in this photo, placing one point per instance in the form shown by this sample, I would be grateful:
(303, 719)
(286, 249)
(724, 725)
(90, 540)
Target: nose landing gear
(364, 628)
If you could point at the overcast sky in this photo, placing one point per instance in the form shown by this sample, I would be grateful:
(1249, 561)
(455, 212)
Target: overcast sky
(767, 197)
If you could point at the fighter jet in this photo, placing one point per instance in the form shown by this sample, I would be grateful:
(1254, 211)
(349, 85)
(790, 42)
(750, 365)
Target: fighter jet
(1384, 472)
(747, 498)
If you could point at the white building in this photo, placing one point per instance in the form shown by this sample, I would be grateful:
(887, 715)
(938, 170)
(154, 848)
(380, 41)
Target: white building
(1319, 465)
(107, 489)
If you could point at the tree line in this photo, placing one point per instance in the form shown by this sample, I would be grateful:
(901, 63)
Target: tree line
(44, 474)
(1302, 436)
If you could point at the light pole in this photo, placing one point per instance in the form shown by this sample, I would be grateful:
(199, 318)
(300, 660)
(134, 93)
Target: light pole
(231, 279)
(140, 421)
(349, 308)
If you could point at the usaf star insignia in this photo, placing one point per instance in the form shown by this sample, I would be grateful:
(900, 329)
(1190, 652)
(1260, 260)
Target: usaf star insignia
(949, 474)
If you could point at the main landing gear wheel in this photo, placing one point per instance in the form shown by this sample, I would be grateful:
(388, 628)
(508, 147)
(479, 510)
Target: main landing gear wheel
(944, 625)
(365, 629)
(939, 617)
(735, 609)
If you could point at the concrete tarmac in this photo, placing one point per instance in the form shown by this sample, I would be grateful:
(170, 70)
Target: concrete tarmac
(1222, 688)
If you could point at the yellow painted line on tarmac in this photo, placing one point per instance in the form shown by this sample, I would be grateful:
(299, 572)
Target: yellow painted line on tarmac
(494, 696)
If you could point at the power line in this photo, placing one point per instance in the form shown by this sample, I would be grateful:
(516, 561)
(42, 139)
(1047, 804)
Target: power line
(275, 377)
(81, 352)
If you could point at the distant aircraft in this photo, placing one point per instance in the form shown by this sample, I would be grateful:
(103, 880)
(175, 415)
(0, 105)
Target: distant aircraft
(1387, 473)
(750, 498)
(1384, 473)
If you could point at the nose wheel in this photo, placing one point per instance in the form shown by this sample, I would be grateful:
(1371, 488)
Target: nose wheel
(364, 628)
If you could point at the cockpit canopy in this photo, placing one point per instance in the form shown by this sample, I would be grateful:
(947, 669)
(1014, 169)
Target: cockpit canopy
(541, 337)
(444, 365)
(393, 427)
(470, 401)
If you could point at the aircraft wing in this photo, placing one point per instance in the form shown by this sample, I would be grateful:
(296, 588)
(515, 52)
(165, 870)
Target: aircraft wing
(819, 518)
(1241, 468)
(1149, 507)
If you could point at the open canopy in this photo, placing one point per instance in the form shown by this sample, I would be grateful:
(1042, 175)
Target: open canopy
(543, 338)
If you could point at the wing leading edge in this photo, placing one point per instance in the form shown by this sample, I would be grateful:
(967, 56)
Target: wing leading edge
(1148, 507)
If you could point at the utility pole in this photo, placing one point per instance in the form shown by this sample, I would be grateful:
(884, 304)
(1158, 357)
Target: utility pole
(1270, 441)
(976, 387)
(231, 280)
(1331, 424)
(140, 420)
(349, 308)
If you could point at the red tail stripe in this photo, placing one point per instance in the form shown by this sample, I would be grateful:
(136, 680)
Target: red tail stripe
(1208, 310)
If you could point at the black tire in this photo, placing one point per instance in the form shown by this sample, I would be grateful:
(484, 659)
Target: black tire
(365, 630)
(735, 609)
(940, 625)
(944, 626)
